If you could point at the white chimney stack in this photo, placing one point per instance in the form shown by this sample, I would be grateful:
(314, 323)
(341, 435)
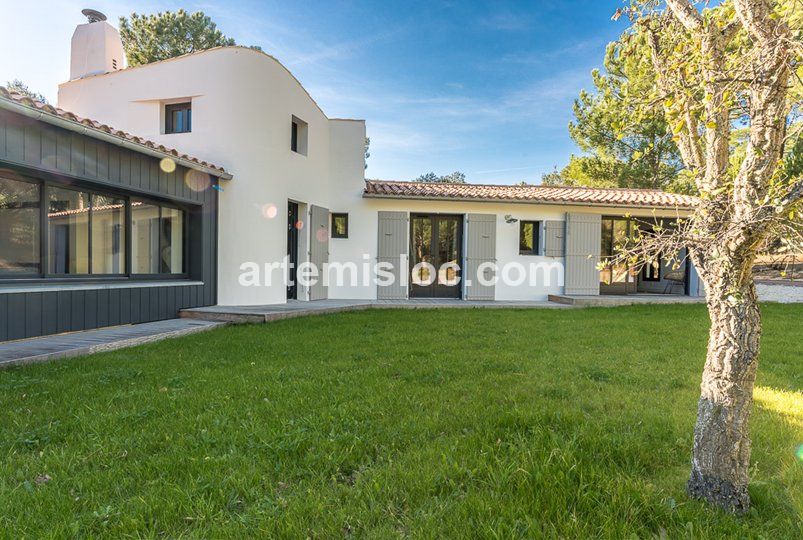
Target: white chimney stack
(96, 47)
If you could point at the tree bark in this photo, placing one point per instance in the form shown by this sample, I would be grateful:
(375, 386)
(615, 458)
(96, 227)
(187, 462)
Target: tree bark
(721, 453)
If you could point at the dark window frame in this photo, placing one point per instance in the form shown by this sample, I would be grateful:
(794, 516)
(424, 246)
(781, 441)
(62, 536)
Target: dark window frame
(45, 182)
(294, 136)
(336, 215)
(16, 276)
(185, 239)
(536, 240)
(299, 136)
(170, 108)
(647, 271)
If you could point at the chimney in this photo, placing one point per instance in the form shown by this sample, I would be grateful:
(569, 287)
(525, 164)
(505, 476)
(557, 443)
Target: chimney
(96, 47)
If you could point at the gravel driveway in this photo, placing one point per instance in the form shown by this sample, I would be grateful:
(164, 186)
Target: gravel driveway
(787, 293)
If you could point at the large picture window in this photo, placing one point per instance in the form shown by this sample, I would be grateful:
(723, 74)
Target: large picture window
(19, 222)
(86, 233)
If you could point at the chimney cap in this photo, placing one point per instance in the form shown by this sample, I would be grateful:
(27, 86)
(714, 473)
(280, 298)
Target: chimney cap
(93, 15)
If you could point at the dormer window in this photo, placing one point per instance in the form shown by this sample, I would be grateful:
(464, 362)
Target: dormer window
(298, 136)
(178, 118)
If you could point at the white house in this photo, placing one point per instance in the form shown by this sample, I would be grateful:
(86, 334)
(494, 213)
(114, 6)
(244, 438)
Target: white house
(291, 188)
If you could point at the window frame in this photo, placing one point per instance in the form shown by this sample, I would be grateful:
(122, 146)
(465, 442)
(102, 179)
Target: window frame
(169, 108)
(653, 279)
(299, 136)
(184, 238)
(45, 182)
(536, 237)
(21, 276)
(332, 227)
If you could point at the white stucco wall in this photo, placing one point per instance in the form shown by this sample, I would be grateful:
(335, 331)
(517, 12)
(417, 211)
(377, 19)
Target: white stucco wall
(242, 104)
(363, 229)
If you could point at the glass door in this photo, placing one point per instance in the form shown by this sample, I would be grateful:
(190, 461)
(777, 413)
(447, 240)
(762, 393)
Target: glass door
(615, 278)
(435, 240)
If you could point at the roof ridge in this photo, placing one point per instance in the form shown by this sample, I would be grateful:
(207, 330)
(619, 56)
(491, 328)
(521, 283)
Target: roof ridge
(621, 197)
(601, 188)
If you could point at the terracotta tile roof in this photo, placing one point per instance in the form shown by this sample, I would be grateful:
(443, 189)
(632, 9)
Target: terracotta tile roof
(649, 198)
(25, 101)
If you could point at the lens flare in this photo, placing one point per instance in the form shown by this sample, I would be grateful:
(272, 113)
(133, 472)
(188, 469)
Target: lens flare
(299, 224)
(196, 180)
(167, 165)
(799, 453)
(322, 235)
(269, 211)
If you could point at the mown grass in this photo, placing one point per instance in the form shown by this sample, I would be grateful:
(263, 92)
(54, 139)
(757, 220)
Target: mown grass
(448, 423)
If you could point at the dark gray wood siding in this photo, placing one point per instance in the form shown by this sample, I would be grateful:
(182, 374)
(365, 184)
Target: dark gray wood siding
(35, 149)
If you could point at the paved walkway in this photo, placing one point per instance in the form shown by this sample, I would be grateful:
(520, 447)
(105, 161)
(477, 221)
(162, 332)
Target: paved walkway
(614, 300)
(295, 308)
(785, 292)
(46, 348)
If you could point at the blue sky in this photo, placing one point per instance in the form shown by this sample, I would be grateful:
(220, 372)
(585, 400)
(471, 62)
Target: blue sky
(481, 87)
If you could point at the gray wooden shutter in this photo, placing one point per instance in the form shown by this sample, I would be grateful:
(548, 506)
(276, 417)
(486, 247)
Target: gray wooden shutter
(480, 248)
(554, 241)
(392, 248)
(583, 238)
(319, 249)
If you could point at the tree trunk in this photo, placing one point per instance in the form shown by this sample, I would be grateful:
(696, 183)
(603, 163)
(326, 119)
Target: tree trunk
(721, 454)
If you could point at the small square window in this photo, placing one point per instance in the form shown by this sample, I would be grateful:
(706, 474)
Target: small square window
(178, 118)
(529, 237)
(340, 225)
(298, 136)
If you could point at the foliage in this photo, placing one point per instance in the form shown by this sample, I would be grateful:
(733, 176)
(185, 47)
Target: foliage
(361, 422)
(727, 79)
(624, 139)
(455, 178)
(21, 88)
(151, 38)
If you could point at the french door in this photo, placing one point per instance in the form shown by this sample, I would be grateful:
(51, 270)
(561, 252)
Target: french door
(436, 255)
(292, 250)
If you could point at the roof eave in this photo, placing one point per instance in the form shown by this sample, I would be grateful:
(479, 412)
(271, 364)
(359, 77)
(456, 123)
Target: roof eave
(520, 201)
(77, 127)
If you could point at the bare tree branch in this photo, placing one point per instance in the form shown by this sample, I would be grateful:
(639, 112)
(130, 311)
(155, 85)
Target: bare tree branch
(687, 14)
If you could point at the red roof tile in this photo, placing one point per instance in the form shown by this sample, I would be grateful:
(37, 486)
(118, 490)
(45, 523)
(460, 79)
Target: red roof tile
(108, 130)
(649, 198)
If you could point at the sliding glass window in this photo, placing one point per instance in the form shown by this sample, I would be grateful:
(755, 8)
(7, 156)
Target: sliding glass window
(144, 238)
(172, 236)
(108, 235)
(157, 239)
(19, 228)
(86, 233)
(67, 231)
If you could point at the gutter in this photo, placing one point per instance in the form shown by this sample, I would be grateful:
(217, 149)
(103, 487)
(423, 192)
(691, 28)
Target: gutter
(519, 201)
(81, 129)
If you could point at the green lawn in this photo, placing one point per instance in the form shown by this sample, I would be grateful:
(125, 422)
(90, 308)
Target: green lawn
(446, 423)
